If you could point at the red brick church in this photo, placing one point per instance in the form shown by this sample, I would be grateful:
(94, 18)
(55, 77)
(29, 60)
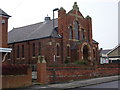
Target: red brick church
(70, 40)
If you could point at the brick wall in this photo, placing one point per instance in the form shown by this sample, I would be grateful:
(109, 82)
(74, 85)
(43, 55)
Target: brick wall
(4, 33)
(16, 81)
(75, 72)
(108, 69)
(47, 44)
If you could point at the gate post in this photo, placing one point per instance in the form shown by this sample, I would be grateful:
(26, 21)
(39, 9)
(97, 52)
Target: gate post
(41, 71)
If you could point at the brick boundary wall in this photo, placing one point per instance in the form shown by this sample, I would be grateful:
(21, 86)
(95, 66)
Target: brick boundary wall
(17, 81)
(68, 73)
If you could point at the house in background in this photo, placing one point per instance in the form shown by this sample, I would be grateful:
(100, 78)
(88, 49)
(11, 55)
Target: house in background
(114, 55)
(110, 55)
(103, 56)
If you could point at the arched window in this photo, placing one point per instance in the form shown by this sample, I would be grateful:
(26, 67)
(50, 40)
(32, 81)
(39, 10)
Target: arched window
(39, 46)
(68, 51)
(22, 51)
(71, 32)
(76, 29)
(58, 50)
(18, 52)
(33, 49)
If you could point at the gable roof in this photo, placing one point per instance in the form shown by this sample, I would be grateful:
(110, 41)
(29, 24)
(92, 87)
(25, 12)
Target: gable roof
(2, 13)
(118, 46)
(34, 31)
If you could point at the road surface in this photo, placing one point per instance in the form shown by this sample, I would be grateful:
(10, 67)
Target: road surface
(113, 84)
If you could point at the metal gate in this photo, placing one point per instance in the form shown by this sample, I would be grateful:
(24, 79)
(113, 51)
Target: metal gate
(34, 72)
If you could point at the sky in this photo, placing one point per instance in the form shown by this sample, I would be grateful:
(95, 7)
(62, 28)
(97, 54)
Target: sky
(104, 15)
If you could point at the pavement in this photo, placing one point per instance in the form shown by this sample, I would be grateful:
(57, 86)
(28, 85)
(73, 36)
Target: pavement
(75, 84)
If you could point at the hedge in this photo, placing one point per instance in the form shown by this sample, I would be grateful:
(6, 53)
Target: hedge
(14, 69)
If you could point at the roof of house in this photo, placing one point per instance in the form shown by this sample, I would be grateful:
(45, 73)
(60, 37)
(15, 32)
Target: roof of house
(105, 51)
(34, 31)
(118, 46)
(4, 13)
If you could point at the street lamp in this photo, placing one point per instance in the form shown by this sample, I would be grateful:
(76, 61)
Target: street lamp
(54, 74)
(56, 9)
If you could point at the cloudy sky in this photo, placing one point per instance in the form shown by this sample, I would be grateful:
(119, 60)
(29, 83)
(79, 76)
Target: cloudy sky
(104, 15)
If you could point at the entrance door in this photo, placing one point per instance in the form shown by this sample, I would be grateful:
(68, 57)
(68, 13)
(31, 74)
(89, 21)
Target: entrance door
(85, 52)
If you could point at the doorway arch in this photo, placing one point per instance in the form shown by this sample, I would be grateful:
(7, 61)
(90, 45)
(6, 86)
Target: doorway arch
(85, 52)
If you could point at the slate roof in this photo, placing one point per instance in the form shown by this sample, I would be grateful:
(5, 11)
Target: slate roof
(105, 51)
(34, 31)
(4, 13)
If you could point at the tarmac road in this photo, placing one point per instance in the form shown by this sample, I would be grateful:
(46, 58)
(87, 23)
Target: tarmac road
(113, 84)
(106, 83)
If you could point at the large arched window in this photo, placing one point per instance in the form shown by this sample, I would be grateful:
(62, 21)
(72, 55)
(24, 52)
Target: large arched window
(71, 32)
(76, 28)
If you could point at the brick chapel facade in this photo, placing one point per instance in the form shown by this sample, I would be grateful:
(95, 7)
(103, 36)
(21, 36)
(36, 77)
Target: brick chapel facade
(70, 40)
